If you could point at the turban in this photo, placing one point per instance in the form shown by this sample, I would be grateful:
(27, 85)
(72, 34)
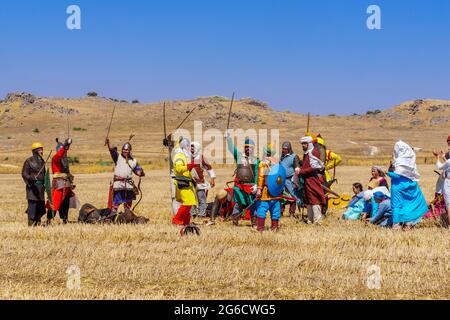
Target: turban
(249, 143)
(307, 139)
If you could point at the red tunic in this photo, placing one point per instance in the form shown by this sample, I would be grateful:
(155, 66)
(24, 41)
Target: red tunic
(59, 193)
(56, 161)
(314, 194)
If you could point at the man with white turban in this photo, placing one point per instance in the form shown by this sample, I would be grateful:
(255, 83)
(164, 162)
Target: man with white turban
(314, 196)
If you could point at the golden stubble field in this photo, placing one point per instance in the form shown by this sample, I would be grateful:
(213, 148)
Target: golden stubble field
(225, 262)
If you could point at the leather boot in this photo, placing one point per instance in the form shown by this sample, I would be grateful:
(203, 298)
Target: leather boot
(254, 221)
(275, 226)
(260, 224)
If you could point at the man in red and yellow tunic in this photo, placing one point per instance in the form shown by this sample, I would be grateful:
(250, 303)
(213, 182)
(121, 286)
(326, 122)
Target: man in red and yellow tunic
(62, 181)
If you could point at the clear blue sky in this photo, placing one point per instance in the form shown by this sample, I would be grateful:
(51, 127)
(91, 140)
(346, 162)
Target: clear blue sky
(305, 56)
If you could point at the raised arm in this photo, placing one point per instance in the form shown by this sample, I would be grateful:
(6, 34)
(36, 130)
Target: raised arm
(232, 148)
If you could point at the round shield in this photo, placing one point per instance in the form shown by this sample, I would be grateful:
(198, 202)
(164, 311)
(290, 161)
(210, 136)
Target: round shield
(276, 180)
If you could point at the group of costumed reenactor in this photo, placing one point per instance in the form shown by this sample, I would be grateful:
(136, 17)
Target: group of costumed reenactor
(60, 194)
(260, 185)
(60, 188)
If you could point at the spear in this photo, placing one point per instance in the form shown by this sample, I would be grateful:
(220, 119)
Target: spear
(229, 113)
(184, 120)
(68, 126)
(110, 123)
(307, 124)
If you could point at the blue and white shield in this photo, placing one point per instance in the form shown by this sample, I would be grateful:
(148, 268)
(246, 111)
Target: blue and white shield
(276, 180)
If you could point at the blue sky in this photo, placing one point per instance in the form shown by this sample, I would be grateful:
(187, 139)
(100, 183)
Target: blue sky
(300, 55)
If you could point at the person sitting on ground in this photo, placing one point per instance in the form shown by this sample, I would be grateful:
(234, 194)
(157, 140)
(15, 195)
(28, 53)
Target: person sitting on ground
(378, 178)
(383, 216)
(356, 205)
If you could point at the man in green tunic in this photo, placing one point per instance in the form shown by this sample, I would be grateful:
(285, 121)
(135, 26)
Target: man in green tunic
(246, 177)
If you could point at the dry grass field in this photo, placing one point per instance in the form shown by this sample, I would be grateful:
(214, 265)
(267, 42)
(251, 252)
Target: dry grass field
(225, 262)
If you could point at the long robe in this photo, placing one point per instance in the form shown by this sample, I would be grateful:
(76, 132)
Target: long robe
(313, 194)
(408, 202)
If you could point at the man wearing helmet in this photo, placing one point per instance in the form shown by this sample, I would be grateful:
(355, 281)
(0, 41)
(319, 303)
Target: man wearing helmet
(33, 173)
(246, 178)
(62, 184)
(124, 189)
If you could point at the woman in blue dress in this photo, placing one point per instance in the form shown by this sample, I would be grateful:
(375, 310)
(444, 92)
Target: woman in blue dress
(357, 205)
(408, 202)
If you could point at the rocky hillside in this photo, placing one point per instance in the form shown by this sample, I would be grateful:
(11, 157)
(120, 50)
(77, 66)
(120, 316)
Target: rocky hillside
(25, 118)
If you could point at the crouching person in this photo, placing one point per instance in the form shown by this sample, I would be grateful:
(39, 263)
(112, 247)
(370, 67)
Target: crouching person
(184, 186)
(383, 216)
(33, 173)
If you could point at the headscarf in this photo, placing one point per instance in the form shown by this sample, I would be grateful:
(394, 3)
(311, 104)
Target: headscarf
(368, 194)
(185, 147)
(197, 150)
(315, 162)
(405, 161)
(380, 171)
(380, 195)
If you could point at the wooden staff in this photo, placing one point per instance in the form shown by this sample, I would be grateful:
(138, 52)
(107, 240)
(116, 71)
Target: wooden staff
(307, 124)
(110, 123)
(229, 113)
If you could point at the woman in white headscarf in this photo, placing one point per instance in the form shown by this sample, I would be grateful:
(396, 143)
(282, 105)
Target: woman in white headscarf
(408, 202)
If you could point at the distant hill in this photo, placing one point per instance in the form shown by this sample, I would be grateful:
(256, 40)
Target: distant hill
(25, 118)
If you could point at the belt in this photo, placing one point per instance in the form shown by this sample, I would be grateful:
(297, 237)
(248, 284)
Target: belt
(60, 175)
(117, 178)
(39, 183)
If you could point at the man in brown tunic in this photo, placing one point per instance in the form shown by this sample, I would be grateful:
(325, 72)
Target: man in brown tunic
(314, 196)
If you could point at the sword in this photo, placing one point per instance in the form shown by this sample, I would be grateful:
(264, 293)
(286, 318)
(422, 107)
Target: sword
(325, 188)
